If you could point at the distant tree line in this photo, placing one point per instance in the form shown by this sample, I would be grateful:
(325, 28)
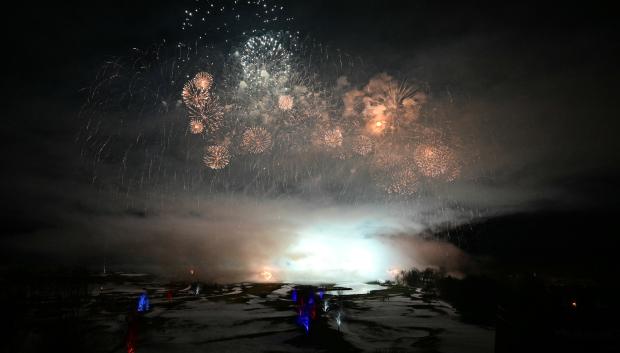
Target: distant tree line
(475, 297)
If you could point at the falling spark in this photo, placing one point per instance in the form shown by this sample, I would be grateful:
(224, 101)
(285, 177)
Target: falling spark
(404, 182)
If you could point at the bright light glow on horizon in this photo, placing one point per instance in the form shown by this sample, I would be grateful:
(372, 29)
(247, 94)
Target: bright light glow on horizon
(336, 252)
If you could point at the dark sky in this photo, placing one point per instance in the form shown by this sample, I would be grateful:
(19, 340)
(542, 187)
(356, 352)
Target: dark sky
(541, 78)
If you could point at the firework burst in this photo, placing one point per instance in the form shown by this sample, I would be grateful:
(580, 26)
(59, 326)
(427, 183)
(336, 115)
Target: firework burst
(193, 96)
(196, 126)
(211, 114)
(203, 81)
(256, 140)
(216, 157)
(332, 138)
(285, 102)
(266, 59)
(436, 161)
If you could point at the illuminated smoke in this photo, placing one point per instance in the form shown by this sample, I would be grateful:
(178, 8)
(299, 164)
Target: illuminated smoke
(353, 103)
(384, 105)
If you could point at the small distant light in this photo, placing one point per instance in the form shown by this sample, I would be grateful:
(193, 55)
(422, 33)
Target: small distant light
(574, 304)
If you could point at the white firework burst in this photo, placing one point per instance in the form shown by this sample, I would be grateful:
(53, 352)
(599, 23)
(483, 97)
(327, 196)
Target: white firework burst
(267, 59)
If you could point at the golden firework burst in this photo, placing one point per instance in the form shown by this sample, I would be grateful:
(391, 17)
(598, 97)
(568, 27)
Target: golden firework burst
(285, 102)
(216, 157)
(332, 138)
(211, 114)
(203, 81)
(256, 140)
(436, 161)
(196, 126)
(193, 96)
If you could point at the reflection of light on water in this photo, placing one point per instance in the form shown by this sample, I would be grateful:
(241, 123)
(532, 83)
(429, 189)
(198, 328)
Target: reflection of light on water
(355, 288)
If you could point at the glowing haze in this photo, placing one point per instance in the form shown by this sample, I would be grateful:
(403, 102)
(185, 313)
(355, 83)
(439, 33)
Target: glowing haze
(239, 238)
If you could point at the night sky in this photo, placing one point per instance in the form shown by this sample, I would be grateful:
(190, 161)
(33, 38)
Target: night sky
(533, 87)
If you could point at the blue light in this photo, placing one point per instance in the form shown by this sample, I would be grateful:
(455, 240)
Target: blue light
(304, 320)
(143, 303)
